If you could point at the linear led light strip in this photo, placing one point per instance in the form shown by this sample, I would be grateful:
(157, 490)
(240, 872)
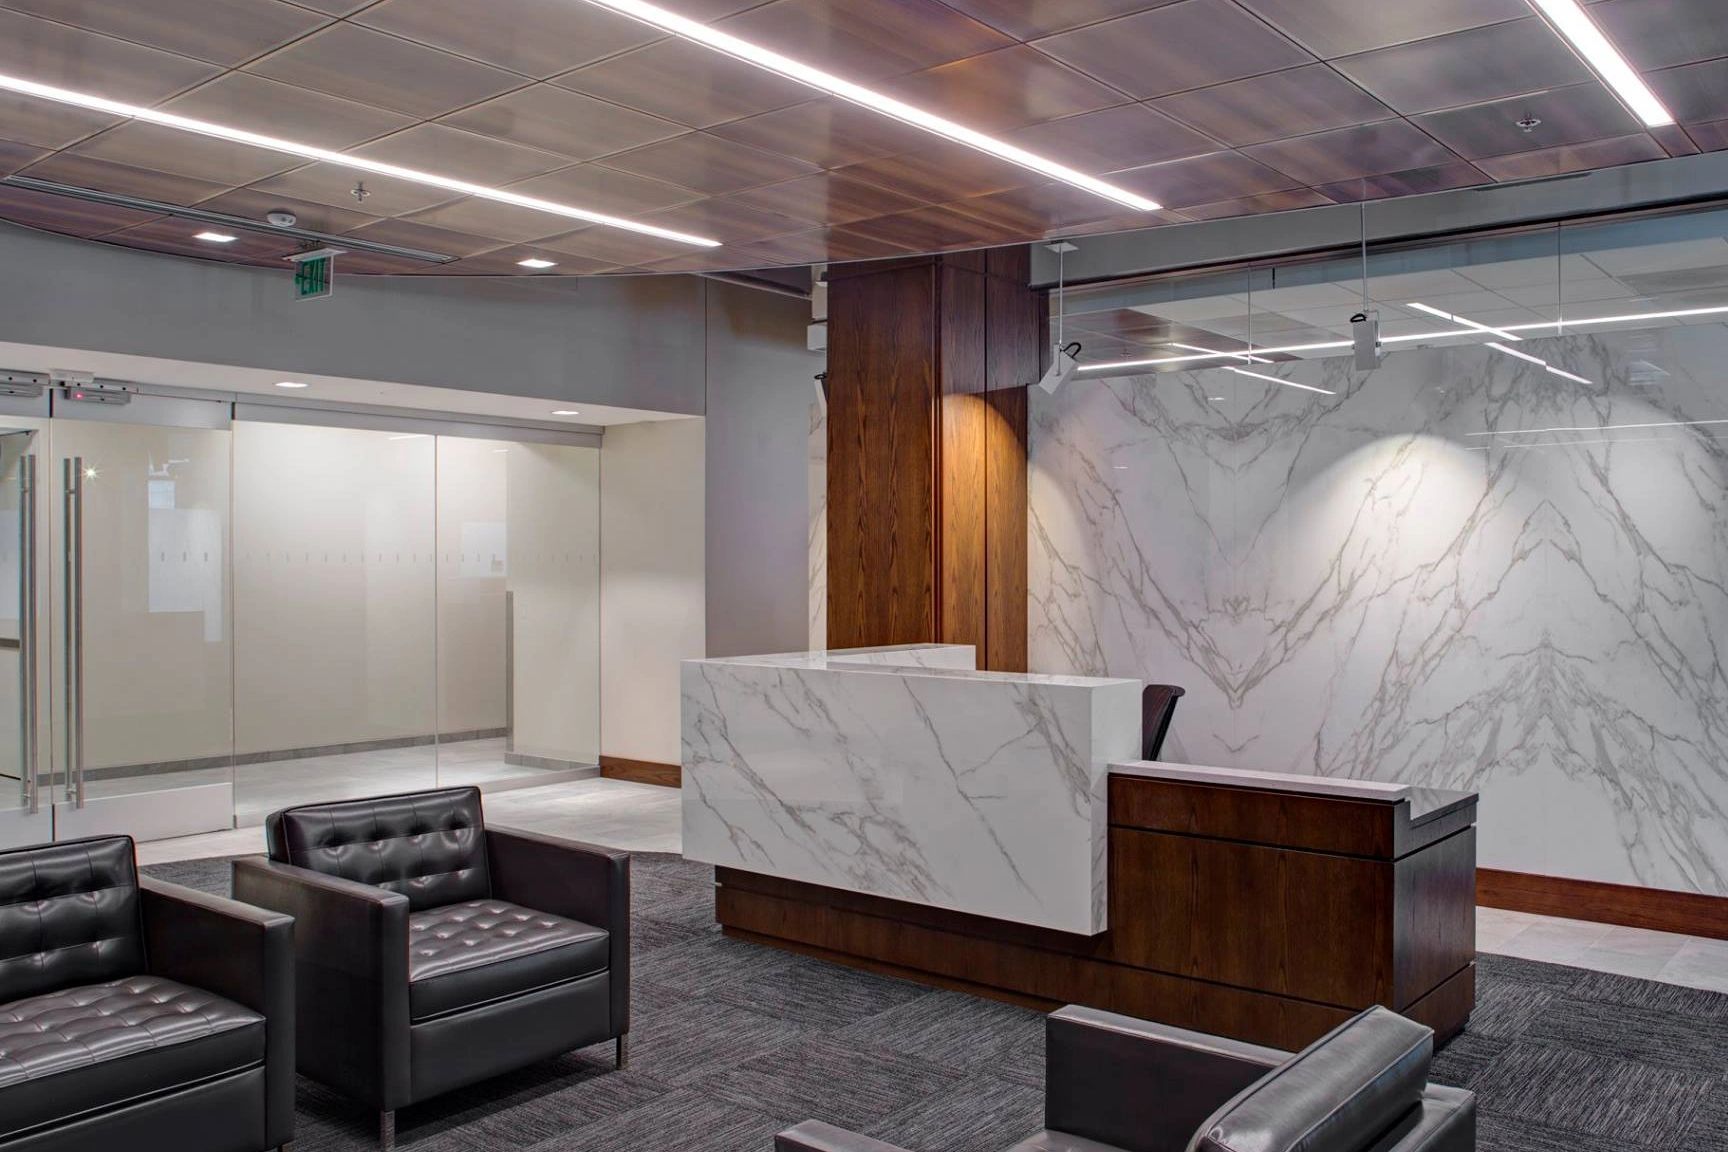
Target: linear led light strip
(1279, 380)
(1600, 427)
(1536, 360)
(1327, 345)
(339, 159)
(1433, 311)
(772, 61)
(1578, 30)
(1243, 356)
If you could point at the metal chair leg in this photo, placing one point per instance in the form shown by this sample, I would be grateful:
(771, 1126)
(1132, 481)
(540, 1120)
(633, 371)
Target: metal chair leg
(624, 1050)
(386, 1131)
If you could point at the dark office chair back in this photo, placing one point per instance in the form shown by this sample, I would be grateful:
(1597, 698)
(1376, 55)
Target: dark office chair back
(69, 915)
(1157, 706)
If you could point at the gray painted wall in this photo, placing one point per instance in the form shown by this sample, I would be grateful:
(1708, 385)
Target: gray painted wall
(759, 393)
(635, 342)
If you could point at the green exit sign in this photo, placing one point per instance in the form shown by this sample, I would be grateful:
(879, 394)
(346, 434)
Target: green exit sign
(315, 273)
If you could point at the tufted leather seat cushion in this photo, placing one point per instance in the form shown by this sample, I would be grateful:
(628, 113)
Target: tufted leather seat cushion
(68, 915)
(429, 846)
(95, 1046)
(467, 954)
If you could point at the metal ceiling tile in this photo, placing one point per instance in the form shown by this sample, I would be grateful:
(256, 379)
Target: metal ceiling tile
(602, 189)
(1344, 153)
(507, 222)
(15, 155)
(222, 162)
(1663, 33)
(66, 215)
(1574, 115)
(384, 71)
(258, 104)
(1694, 93)
(1051, 207)
(335, 7)
(412, 234)
(1673, 140)
(684, 82)
(125, 179)
(174, 235)
(568, 123)
(1331, 28)
(328, 184)
(537, 38)
(725, 219)
(1203, 179)
(828, 245)
(1711, 136)
(615, 247)
(826, 198)
(1286, 201)
(1293, 102)
(1467, 67)
(1113, 138)
(52, 53)
(255, 204)
(865, 42)
(932, 229)
(227, 32)
(942, 172)
(1030, 19)
(463, 155)
(829, 133)
(45, 125)
(1573, 158)
(1189, 44)
(1002, 90)
(708, 164)
(1410, 182)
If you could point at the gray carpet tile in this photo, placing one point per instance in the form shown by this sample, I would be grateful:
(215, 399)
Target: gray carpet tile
(732, 1041)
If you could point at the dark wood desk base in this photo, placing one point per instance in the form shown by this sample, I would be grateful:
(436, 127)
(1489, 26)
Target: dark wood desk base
(1333, 905)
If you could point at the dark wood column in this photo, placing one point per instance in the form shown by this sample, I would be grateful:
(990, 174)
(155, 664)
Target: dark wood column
(928, 363)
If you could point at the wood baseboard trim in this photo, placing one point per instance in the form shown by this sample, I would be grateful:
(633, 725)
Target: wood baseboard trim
(1657, 909)
(642, 771)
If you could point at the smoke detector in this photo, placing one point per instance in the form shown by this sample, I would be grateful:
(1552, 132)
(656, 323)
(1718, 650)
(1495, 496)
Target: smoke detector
(282, 218)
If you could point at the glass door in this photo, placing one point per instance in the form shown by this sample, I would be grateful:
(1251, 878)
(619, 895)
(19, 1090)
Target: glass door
(142, 652)
(26, 813)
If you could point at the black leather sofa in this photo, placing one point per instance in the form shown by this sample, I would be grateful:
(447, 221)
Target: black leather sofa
(433, 952)
(136, 1014)
(1116, 1083)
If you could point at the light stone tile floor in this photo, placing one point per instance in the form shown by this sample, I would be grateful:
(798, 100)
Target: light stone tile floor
(645, 818)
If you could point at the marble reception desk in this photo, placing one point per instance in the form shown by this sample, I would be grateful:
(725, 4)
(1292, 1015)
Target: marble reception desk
(905, 773)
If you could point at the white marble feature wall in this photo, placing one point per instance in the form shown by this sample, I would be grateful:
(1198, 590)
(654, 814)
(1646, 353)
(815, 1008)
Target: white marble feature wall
(1459, 571)
(907, 775)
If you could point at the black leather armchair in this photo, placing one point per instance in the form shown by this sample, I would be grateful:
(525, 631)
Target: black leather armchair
(136, 1014)
(1116, 1083)
(433, 952)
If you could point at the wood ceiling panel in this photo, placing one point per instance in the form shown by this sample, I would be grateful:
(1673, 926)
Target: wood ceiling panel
(176, 236)
(328, 184)
(1286, 201)
(538, 38)
(82, 171)
(61, 214)
(942, 173)
(384, 71)
(1410, 182)
(614, 247)
(866, 42)
(1204, 179)
(492, 218)
(185, 154)
(1574, 115)
(31, 121)
(827, 198)
(1005, 89)
(464, 155)
(15, 155)
(568, 123)
(1190, 44)
(708, 164)
(505, 261)
(1345, 153)
(829, 133)
(1530, 165)
(1695, 93)
(1664, 33)
(725, 219)
(1293, 102)
(679, 81)
(1030, 19)
(1119, 137)
(226, 32)
(412, 234)
(1330, 28)
(1467, 67)
(258, 104)
(608, 190)
(51, 53)
(254, 203)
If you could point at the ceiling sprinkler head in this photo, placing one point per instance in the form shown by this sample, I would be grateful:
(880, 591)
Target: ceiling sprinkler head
(359, 192)
(1528, 123)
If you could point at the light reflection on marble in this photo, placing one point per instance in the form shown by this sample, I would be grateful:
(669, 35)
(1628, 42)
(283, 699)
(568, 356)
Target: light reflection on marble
(980, 792)
(1367, 586)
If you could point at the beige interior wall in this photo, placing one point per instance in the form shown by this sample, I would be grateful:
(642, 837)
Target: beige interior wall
(652, 580)
(334, 586)
(473, 483)
(553, 557)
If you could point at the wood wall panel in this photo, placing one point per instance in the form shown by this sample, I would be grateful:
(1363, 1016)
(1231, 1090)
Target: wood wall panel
(881, 457)
(960, 452)
(1005, 524)
(642, 771)
(1658, 909)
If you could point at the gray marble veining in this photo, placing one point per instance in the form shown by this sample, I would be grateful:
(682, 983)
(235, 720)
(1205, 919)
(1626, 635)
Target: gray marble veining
(1460, 572)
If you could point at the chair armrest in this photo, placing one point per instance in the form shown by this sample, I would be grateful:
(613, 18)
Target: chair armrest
(1137, 1085)
(578, 881)
(1445, 1122)
(351, 967)
(234, 950)
(815, 1136)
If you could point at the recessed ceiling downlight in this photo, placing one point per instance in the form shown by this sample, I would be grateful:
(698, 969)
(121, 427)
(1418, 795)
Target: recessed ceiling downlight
(291, 384)
(566, 412)
(215, 237)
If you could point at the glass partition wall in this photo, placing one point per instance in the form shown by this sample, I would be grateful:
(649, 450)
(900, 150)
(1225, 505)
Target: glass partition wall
(203, 619)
